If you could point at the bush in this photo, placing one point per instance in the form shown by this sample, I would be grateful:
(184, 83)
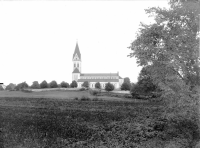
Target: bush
(35, 85)
(82, 89)
(64, 85)
(109, 87)
(85, 84)
(98, 85)
(73, 84)
(53, 84)
(84, 98)
(93, 92)
(44, 84)
(75, 98)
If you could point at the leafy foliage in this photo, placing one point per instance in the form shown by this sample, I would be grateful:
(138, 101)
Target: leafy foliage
(127, 80)
(11, 86)
(169, 50)
(21, 86)
(85, 84)
(109, 87)
(44, 84)
(35, 85)
(53, 84)
(64, 84)
(98, 85)
(145, 87)
(125, 86)
(1, 87)
(73, 84)
(94, 92)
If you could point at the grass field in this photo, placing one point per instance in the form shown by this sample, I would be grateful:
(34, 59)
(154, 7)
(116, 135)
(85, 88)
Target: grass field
(57, 94)
(46, 120)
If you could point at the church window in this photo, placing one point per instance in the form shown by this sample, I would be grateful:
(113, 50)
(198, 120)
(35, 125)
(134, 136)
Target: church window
(78, 65)
(74, 65)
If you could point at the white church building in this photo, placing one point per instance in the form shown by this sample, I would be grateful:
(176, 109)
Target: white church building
(92, 78)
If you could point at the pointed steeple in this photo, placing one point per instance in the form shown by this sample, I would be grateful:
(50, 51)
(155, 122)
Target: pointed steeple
(77, 51)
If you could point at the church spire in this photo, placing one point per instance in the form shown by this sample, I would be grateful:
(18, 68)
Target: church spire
(77, 51)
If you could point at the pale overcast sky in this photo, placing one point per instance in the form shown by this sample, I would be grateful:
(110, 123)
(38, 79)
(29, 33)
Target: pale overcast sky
(38, 38)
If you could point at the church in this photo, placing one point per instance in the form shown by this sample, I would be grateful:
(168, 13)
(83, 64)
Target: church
(92, 78)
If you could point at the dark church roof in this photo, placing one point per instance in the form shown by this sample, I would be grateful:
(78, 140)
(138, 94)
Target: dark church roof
(76, 70)
(77, 51)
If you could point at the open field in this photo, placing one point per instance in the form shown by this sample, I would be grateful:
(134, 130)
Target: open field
(51, 122)
(58, 94)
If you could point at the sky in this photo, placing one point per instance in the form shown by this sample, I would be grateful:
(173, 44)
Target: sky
(38, 38)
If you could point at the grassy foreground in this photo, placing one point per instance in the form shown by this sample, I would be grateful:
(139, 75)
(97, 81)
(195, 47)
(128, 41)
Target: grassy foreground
(55, 123)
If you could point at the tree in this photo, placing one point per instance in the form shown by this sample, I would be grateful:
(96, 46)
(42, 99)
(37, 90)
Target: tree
(85, 84)
(127, 80)
(53, 84)
(44, 84)
(73, 84)
(98, 85)
(171, 42)
(125, 86)
(11, 86)
(1, 87)
(64, 84)
(35, 85)
(170, 46)
(21, 86)
(109, 87)
(145, 88)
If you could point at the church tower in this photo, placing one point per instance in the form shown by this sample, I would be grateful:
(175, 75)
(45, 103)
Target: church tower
(76, 59)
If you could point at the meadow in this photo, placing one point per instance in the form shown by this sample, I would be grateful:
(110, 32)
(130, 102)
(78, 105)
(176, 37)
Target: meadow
(48, 121)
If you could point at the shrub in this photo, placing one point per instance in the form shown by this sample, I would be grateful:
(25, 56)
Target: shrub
(85, 84)
(53, 84)
(35, 85)
(64, 85)
(76, 98)
(93, 92)
(109, 87)
(84, 98)
(44, 84)
(98, 85)
(73, 84)
(82, 89)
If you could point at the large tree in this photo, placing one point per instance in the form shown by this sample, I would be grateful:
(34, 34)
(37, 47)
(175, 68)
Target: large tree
(170, 46)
